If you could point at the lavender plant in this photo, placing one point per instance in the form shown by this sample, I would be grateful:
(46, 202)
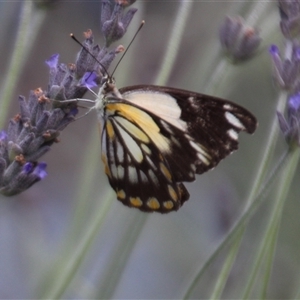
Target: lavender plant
(33, 131)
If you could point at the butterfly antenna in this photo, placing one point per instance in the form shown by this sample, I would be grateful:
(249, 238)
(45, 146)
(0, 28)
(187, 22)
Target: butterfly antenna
(142, 24)
(91, 54)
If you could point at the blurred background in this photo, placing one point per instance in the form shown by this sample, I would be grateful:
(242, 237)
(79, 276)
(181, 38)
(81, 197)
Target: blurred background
(163, 252)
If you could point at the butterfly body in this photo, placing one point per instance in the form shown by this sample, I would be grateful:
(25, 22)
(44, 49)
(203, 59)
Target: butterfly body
(154, 138)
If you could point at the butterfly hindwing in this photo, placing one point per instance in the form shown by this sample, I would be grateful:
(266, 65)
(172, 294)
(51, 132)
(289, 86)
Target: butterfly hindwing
(136, 169)
(154, 138)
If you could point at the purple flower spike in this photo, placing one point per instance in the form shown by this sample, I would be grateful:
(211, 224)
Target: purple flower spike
(115, 20)
(45, 113)
(238, 41)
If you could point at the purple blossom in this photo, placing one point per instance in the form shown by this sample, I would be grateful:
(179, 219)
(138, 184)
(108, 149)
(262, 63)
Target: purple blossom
(290, 127)
(286, 71)
(238, 40)
(52, 62)
(89, 80)
(114, 20)
(40, 170)
(3, 135)
(28, 167)
(294, 102)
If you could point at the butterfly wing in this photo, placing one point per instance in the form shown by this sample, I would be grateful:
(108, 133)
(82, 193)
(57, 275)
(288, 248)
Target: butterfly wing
(157, 137)
(136, 168)
(194, 121)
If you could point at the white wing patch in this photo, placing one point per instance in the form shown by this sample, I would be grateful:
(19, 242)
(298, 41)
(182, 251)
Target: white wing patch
(114, 171)
(146, 149)
(233, 134)
(153, 177)
(201, 153)
(120, 152)
(233, 120)
(120, 170)
(132, 173)
(132, 146)
(160, 104)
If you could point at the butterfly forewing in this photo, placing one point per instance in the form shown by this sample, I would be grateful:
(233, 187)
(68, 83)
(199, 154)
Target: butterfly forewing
(154, 138)
(212, 124)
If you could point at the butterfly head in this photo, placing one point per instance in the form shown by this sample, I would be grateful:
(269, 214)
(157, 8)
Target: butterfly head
(109, 90)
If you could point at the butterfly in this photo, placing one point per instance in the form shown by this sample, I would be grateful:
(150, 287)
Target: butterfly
(154, 138)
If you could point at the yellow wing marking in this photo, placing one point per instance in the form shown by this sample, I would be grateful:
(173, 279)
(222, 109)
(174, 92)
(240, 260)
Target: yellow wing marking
(153, 203)
(110, 130)
(137, 202)
(121, 195)
(144, 121)
(168, 204)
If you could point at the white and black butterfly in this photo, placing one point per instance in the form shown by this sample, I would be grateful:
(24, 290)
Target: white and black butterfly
(154, 138)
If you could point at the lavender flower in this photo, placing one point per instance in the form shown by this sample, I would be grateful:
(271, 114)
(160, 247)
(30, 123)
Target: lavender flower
(238, 41)
(44, 115)
(65, 81)
(114, 21)
(30, 135)
(286, 72)
(291, 126)
(290, 18)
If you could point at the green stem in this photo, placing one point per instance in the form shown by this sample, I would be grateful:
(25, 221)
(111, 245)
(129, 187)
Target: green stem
(15, 64)
(222, 278)
(174, 42)
(274, 224)
(77, 226)
(256, 266)
(269, 150)
(215, 80)
(30, 22)
(257, 12)
(268, 253)
(271, 231)
(261, 173)
(235, 231)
